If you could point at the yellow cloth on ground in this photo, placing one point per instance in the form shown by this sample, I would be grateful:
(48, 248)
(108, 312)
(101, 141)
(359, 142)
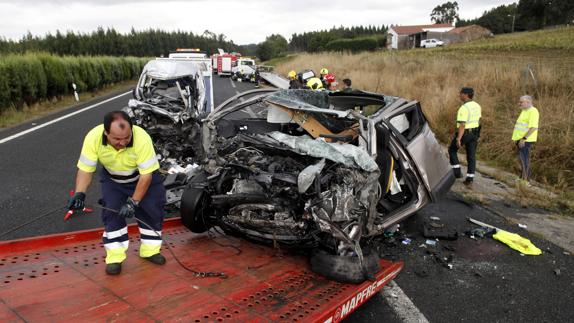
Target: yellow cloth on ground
(517, 242)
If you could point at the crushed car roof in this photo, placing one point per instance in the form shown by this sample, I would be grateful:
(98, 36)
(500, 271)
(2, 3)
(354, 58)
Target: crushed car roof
(170, 68)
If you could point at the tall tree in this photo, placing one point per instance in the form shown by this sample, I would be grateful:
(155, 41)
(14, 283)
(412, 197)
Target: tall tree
(498, 20)
(446, 13)
(273, 46)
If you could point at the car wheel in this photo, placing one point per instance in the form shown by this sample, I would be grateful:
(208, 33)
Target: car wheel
(194, 208)
(345, 269)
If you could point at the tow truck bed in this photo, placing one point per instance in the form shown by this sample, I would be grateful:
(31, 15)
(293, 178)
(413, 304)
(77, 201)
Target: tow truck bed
(61, 278)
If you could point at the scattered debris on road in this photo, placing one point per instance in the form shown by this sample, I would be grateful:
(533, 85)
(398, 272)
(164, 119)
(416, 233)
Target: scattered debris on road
(513, 240)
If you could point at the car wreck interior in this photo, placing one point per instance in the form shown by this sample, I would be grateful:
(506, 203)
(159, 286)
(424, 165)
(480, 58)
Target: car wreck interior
(273, 175)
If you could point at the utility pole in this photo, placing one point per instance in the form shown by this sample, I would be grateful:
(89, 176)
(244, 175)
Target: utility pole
(513, 17)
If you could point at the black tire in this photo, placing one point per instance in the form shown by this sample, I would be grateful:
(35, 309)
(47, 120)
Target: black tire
(194, 208)
(345, 269)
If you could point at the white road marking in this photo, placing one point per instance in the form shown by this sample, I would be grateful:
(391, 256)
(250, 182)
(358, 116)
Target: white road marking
(401, 304)
(19, 134)
(232, 83)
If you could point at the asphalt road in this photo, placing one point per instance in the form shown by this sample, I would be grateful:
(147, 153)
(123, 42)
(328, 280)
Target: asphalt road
(488, 281)
(37, 170)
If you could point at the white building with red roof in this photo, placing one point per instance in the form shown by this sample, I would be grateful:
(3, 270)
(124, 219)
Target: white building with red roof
(404, 37)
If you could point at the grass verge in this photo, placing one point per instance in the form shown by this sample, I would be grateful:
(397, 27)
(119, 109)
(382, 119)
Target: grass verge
(280, 60)
(13, 116)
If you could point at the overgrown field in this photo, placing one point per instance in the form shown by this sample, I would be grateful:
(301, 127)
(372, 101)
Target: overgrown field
(551, 39)
(31, 78)
(435, 78)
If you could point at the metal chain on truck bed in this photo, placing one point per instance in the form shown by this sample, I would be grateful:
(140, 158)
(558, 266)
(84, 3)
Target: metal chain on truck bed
(201, 274)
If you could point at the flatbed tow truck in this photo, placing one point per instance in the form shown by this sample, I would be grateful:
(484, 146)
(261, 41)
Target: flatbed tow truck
(61, 278)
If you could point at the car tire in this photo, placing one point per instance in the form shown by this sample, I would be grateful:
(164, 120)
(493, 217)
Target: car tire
(345, 269)
(194, 209)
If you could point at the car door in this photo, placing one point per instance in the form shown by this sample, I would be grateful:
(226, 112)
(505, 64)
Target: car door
(409, 125)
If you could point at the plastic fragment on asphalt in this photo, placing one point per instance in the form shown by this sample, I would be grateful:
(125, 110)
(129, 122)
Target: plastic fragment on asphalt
(406, 241)
(430, 242)
(435, 218)
(523, 226)
(557, 271)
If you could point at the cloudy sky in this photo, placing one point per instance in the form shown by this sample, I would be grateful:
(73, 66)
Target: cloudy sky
(247, 21)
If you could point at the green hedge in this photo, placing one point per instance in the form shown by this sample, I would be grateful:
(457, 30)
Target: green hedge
(32, 77)
(356, 44)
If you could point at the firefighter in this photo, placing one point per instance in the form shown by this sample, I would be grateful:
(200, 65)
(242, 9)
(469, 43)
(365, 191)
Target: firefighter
(130, 183)
(466, 134)
(314, 83)
(255, 77)
(329, 82)
(323, 73)
(294, 82)
(525, 134)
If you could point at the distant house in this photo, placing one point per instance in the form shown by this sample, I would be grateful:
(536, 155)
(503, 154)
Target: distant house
(404, 37)
(468, 33)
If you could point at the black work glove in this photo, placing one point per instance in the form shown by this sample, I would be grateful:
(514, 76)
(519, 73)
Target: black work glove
(128, 210)
(77, 202)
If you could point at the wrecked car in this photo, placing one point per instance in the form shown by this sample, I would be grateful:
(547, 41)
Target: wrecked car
(170, 98)
(321, 171)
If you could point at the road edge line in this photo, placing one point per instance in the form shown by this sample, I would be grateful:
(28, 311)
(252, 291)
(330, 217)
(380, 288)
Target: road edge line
(21, 133)
(401, 304)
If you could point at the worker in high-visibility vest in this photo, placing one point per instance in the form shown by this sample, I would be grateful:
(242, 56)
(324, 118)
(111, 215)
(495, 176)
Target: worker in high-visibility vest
(525, 133)
(130, 183)
(466, 134)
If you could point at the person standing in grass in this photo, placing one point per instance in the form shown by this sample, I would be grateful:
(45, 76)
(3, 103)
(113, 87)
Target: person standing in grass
(525, 133)
(466, 134)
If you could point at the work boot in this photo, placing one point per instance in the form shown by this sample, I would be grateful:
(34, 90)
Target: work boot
(468, 182)
(157, 259)
(457, 172)
(114, 269)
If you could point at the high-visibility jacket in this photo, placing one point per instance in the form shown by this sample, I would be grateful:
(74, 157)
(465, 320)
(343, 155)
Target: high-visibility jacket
(315, 83)
(527, 119)
(470, 114)
(124, 165)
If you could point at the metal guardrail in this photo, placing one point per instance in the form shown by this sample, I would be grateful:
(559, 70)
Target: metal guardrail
(275, 80)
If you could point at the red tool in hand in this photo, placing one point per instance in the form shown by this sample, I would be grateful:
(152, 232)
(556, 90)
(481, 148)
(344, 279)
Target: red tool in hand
(70, 212)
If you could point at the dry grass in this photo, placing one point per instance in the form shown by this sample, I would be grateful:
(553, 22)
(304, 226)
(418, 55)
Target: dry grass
(434, 79)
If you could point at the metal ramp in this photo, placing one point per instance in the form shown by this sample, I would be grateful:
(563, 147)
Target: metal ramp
(61, 278)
